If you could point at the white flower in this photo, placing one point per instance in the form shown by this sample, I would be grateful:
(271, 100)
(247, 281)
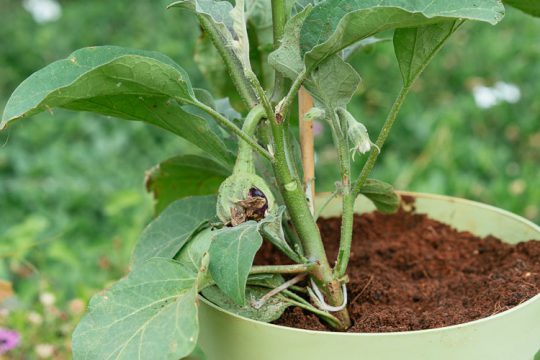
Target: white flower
(43, 11)
(484, 97)
(34, 318)
(508, 92)
(47, 299)
(44, 351)
(356, 132)
(487, 97)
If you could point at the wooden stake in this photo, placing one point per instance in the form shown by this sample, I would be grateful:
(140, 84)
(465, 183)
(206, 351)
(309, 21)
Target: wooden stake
(305, 103)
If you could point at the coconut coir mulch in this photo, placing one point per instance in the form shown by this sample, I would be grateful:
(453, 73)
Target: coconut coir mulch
(408, 272)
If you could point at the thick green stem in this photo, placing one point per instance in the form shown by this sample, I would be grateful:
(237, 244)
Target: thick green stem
(383, 135)
(226, 123)
(279, 18)
(281, 269)
(293, 193)
(305, 225)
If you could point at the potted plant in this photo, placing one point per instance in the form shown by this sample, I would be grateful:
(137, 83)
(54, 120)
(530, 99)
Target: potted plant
(248, 186)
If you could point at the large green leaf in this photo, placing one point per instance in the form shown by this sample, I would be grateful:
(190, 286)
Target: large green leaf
(382, 195)
(531, 7)
(232, 251)
(335, 24)
(170, 231)
(125, 83)
(271, 310)
(183, 176)
(152, 314)
(415, 47)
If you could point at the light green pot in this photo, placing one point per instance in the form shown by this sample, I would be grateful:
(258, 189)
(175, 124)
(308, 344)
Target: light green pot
(510, 335)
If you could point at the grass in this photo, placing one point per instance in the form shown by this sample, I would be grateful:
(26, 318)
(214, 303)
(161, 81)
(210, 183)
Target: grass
(72, 199)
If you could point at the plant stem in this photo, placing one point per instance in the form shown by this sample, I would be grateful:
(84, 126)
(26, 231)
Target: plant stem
(292, 192)
(305, 102)
(368, 166)
(279, 18)
(282, 109)
(325, 204)
(233, 128)
(305, 225)
(232, 63)
(244, 160)
(281, 269)
(339, 131)
(330, 319)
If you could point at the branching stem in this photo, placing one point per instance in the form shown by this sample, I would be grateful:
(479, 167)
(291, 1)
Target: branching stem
(281, 269)
(229, 125)
(383, 135)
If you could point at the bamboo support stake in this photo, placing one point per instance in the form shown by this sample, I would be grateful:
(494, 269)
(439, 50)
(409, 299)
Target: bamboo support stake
(305, 103)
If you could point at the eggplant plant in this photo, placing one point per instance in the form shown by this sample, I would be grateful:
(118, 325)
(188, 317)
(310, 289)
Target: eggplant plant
(213, 211)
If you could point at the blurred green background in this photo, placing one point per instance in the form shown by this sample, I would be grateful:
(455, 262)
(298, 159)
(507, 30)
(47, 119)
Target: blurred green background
(72, 198)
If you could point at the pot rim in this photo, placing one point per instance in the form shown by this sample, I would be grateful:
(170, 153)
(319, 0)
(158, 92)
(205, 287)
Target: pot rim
(501, 212)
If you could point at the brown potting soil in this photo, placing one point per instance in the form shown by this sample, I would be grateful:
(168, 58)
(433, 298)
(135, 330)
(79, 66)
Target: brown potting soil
(408, 272)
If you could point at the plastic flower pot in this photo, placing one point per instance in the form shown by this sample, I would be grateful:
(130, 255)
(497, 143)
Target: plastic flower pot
(511, 335)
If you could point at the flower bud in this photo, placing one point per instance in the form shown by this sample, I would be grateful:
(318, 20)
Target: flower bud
(356, 131)
(244, 197)
(314, 113)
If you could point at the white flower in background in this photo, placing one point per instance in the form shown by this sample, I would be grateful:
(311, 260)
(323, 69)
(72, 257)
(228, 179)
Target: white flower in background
(47, 299)
(44, 351)
(43, 11)
(508, 92)
(487, 97)
(34, 318)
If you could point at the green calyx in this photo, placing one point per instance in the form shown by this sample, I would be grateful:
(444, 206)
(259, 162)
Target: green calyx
(244, 195)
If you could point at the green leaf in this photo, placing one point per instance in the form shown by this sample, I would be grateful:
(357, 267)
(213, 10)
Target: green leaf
(232, 251)
(415, 47)
(170, 231)
(266, 280)
(197, 354)
(531, 7)
(124, 83)
(287, 58)
(364, 44)
(333, 83)
(272, 229)
(270, 311)
(183, 176)
(336, 24)
(382, 195)
(152, 314)
(192, 254)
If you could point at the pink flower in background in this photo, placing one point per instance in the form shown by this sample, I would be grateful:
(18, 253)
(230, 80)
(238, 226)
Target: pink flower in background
(8, 340)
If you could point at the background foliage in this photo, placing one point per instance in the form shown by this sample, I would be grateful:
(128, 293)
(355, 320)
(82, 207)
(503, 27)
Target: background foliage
(72, 197)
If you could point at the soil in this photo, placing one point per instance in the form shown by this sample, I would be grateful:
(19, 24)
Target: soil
(408, 272)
